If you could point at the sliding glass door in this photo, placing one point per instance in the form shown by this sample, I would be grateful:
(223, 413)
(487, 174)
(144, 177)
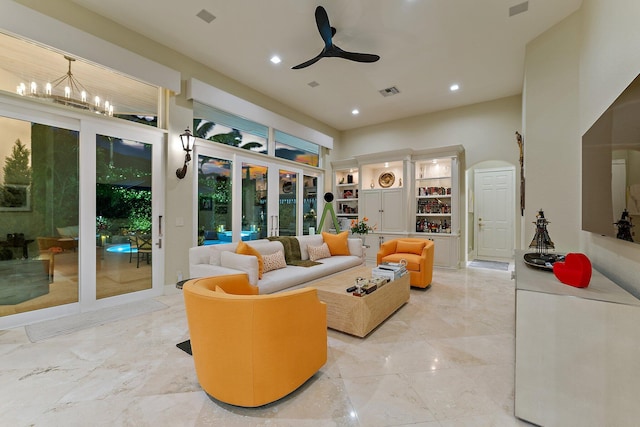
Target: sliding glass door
(122, 224)
(124, 218)
(80, 213)
(39, 200)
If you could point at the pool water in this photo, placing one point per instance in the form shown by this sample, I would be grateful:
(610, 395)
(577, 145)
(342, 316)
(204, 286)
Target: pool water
(123, 248)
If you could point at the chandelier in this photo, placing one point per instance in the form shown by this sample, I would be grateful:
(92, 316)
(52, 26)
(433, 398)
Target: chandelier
(75, 94)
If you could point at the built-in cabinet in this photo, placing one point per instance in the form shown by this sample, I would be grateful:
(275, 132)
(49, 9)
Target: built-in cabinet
(346, 193)
(384, 195)
(403, 193)
(383, 209)
(436, 193)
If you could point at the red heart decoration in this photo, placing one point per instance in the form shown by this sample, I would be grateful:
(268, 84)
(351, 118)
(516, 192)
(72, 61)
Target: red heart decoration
(574, 271)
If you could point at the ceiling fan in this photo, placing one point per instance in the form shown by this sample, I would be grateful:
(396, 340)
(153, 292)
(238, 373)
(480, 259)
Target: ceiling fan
(330, 50)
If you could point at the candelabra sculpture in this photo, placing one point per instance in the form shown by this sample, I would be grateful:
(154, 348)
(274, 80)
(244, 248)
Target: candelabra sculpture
(624, 227)
(542, 243)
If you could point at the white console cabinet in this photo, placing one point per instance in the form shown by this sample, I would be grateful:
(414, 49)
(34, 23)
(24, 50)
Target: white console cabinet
(577, 351)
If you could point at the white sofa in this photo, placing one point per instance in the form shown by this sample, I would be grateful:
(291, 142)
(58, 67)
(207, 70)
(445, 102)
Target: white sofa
(217, 260)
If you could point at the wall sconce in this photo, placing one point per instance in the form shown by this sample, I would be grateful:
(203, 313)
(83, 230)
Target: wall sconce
(187, 145)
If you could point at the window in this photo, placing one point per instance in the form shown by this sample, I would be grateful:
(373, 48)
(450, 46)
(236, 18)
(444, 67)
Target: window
(214, 125)
(293, 148)
(26, 68)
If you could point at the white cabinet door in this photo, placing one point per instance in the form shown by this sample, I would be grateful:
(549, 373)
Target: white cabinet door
(393, 211)
(370, 202)
(384, 209)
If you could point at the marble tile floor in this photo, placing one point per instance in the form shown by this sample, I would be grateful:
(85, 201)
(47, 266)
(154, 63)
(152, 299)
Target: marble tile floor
(444, 359)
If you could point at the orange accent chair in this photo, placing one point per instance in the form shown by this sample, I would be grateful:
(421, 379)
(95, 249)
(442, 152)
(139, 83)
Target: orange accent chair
(249, 349)
(419, 256)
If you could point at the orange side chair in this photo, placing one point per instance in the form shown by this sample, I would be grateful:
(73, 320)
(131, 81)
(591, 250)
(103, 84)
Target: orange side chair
(250, 349)
(419, 256)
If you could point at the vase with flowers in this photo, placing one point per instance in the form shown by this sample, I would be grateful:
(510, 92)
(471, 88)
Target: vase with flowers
(361, 228)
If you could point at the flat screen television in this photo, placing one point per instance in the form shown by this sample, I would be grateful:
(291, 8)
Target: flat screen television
(611, 169)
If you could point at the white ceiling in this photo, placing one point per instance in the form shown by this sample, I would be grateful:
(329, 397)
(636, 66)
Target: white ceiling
(425, 46)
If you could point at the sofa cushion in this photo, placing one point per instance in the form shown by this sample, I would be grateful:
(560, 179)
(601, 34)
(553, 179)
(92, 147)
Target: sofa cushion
(245, 249)
(318, 252)
(294, 276)
(408, 247)
(246, 263)
(306, 241)
(274, 261)
(337, 243)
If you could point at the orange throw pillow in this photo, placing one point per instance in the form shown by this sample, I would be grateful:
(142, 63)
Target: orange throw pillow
(337, 243)
(406, 247)
(245, 249)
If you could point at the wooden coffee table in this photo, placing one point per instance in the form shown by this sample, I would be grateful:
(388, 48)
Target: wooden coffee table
(360, 315)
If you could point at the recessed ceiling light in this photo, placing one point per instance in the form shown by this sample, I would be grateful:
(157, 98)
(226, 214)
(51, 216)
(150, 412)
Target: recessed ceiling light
(454, 87)
(276, 59)
(355, 111)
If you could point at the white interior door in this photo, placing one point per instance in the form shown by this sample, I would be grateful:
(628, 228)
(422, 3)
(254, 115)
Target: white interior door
(494, 212)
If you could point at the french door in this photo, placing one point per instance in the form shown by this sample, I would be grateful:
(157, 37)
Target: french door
(270, 202)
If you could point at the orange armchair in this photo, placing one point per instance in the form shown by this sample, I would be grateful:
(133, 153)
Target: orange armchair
(249, 349)
(419, 256)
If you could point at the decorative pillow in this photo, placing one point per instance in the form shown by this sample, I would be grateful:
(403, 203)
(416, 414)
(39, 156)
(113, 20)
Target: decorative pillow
(245, 249)
(318, 252)
(308, 240)
(407, 247)
(337, 243)
(274, 261)
(245, 263)
(220, 290)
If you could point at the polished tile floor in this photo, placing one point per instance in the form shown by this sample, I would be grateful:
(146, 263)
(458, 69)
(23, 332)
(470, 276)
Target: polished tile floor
(444, 359)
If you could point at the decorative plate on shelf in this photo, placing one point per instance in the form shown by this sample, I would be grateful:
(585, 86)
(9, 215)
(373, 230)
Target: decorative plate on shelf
(386, 179)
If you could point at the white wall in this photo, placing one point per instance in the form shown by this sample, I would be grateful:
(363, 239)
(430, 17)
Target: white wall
(552, 143)
(486, 130)
(573, 73)
(610, 60)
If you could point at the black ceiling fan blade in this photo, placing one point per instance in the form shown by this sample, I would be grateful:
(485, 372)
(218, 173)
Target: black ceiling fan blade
(325, 29)
(359, 57)
(309, 62)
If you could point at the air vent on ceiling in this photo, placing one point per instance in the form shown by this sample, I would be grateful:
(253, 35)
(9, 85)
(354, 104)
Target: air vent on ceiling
(519, 8)
(313, 84)
(206, 16)
(389, 91)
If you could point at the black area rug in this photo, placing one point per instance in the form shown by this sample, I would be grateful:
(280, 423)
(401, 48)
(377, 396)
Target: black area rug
(492, 265)
(185, 346)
